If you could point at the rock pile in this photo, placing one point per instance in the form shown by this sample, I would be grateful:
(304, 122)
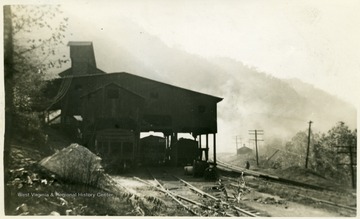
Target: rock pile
(25, 171)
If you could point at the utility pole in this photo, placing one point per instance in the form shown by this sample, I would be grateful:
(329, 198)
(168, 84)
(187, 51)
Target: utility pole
(353, 182)
(256, 133)
(308, 146)
(351, 151)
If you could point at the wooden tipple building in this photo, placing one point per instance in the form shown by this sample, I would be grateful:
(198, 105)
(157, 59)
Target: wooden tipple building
(108, 111)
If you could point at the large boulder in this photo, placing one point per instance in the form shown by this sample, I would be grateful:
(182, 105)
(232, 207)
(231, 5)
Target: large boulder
(75, 163)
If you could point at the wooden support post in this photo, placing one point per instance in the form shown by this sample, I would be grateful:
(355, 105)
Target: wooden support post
(136, 153)
(173, 141)
(200, 141)
(174, 137)
(207, 148)
(214, 148)
(168, 141)
(167, 147)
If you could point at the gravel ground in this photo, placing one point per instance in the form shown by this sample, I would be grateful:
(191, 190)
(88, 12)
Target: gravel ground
(264, 202)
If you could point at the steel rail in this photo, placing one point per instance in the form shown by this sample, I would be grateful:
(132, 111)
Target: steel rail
(291, 182)
(216, 199)
(328, 202)
(189, 200)
(166, 191)
(270, 177)
(172, 196)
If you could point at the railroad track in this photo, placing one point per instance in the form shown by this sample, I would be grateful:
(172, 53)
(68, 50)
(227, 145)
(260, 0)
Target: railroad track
(240, 208)
(290, 183)
(236, 169)
(268, 176)
(197, 201)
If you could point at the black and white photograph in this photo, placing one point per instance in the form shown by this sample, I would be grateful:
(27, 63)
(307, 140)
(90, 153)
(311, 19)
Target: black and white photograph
(201, 108)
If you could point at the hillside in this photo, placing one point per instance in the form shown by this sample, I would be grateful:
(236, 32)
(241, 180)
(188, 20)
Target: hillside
(252, 99)
(255, 100)
(335, 107)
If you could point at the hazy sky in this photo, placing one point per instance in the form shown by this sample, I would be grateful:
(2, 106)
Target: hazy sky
(315, 41)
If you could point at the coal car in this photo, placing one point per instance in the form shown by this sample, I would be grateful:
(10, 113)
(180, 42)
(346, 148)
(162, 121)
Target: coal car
(184, 152)
(153, 150)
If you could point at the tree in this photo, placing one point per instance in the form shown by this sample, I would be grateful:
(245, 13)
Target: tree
(297, 147)
(324, 157)
(36, 31)
(31, 34)
(328, 159)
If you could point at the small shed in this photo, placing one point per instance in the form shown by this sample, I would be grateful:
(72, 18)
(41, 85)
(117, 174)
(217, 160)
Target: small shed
(244, 150)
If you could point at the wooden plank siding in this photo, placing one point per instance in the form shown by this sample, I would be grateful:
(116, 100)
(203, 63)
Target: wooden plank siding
(166, 108)
(112, 109)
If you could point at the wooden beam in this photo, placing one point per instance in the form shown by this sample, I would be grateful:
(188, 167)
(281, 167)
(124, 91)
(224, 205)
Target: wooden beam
(207, 148)
(199, 141)
(272, 155)
(214, 148)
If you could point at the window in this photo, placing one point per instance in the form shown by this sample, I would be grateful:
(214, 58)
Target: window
(113, 94)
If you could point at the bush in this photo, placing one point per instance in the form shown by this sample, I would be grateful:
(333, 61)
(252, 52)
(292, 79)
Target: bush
(28, 127)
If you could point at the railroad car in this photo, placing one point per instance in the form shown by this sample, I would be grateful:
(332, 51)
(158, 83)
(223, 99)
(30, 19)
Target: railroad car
(153, 150)
(184, 152)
